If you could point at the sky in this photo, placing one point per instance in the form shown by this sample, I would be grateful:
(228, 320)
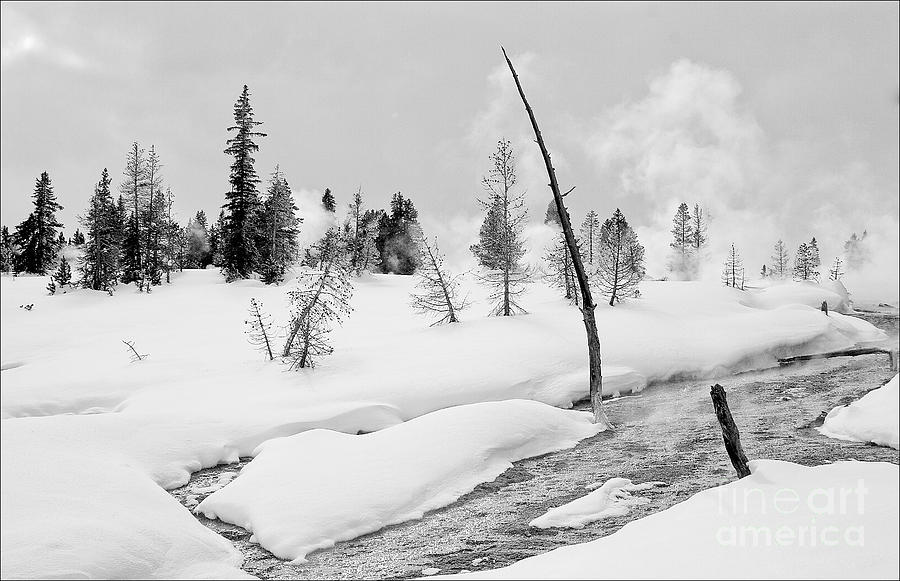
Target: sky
(780, 119)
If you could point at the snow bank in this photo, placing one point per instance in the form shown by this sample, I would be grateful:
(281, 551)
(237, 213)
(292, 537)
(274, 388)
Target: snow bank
(875, 418)
(807, 293)
(204, 396)
(785, 520)
(612, 498)
(308, 491)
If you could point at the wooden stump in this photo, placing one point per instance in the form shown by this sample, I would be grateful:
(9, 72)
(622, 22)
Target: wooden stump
(729, 431)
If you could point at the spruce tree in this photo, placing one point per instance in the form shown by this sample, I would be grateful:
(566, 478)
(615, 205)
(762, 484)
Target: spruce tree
(134, 192)
(803, 263)
(683, 261)
(278, 227)
(836, 271)
(733, 270)
(780, 261)
(620, 260)
(99, 263)
(361, 228)
(501, 244)
(78, 238)
(590, 230)
(328, 201)
(397, 249)
(814, 260)
(698, 228)
(7, 251)
(242, 201)
(36, 237)
(63, 274)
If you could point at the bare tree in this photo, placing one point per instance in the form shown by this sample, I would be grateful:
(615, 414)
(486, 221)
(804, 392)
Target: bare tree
(560, 271)
(836, 271)
(437, 290)
(588, 306)
(320, 301)
(733, 270)
(259, 328)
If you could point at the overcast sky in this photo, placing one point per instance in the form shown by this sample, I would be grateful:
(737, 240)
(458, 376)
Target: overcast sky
(782, 119)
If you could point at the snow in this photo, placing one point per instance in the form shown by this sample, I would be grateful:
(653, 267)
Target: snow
(308, 491)
(822, 522)
(612, 498)
(873, 418)
(781, 293)
(90, 439)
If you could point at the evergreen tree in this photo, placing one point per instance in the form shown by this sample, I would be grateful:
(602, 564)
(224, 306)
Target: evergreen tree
(278, 230)
(134, 192)
(780, 260)
(78, 238)
(698, 228)
(856, 251)
(361, 228)
(836, 271)
(802, 270)
(814, 260)
(61, 240)
(560, 270)
(397, 249)
(242, 201)
(764, 273)
(590, 230)
(99, 263)
(437, 291)
(620, 260)
(683, 261)
(320, 301)
(733, 270)
(216, 256)
(155, 225)
(328, 201)
(36, 237)
(63, 274)
(501, 243)
(197, 244)
(7, 251)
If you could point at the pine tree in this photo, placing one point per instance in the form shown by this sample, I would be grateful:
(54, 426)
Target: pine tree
(154, 222)
(698, 228)
(764, 273)
(134, 191)
(620, 260)
(320, 301)
(396, 247)
(278, 230)
(590, 230)
(560, 270)
(61, 240)
(197, 244)
(63, 274)
(99, 263)
(501, 244)
(361, 228)
(856, 251)
(437, 291)
(802, 269)
(216, 256)
(36, 237)
(814, 261)
(733, 270)
(328, 201)
(682, 230)
(836, 271)
(78, 238)
(780, 260)
(242, 202)
(7, 251)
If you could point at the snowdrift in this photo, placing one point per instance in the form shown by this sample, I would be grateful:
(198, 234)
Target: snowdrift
(308, 491)
(70, 397)
(784, 520)
(874, 418)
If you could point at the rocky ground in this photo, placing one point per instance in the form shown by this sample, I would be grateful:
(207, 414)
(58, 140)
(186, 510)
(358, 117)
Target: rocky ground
(667, 433)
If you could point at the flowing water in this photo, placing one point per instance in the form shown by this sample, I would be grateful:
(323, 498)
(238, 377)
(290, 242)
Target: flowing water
(667, 433)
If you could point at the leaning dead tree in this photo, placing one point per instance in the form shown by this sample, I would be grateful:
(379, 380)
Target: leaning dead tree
(587, 302)
(259, 328)
(437, 291)
(729, 431)
(135, 356)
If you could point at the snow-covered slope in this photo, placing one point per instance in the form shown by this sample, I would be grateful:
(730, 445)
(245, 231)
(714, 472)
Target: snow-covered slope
(308, 491)
(835, 521)
(203, 396)
(875, 417)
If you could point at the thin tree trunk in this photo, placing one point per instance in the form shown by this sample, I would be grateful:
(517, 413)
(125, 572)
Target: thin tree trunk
(588, 306)
(729, 431)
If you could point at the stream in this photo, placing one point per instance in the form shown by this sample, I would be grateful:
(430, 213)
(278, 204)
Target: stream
(666, 433)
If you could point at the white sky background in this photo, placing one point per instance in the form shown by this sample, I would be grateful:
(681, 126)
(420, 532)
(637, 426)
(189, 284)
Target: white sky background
(782, 119)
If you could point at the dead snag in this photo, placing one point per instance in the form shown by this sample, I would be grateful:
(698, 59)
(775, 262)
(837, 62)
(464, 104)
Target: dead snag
(587, 302)
(824, 307)
(729, 431)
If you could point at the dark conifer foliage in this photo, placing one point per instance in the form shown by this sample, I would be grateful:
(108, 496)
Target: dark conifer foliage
(99, 263)
(328, 201)
(238, 233)
(395, 243)
(361, 229)
(620, 261)
(7, 251)
(277, 227)
(37, 236)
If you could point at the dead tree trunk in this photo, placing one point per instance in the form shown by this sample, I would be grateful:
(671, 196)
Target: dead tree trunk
(729, 431)
(587, 302)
